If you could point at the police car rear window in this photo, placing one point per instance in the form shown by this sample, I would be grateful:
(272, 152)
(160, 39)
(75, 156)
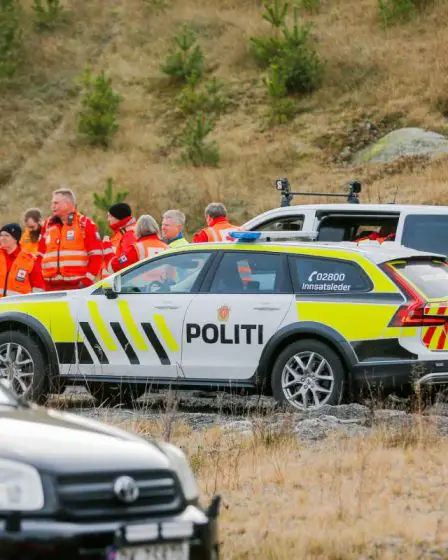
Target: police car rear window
(322, 275)
(426, 233)
(430, 277)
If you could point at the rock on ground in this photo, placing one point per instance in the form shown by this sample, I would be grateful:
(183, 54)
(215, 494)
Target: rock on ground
(405, 142)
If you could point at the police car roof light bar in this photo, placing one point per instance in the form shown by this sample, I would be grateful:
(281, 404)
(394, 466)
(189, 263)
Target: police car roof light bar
(244, 236)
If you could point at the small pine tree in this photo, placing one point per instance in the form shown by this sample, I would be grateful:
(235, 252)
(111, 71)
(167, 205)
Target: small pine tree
(48, 13)
(185, 61)
(98, 116)
(10, 38)
(104, 202)
(196, 150)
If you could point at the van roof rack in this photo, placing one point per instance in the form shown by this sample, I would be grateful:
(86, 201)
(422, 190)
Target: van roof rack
(267, 236)
(284, 187)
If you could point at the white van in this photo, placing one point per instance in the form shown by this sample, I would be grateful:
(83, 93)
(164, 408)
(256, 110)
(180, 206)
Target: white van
(420, 227)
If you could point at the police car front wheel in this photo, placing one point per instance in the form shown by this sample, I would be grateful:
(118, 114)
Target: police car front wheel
(308, 374)
(22, 365)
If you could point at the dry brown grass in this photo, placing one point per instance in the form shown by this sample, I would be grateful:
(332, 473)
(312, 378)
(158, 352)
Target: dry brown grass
(371, 73)
(337, 499)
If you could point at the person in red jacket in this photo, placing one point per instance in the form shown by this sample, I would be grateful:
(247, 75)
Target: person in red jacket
(70, 249)
(218, 225)
(148, 244)
(20, 272)
(123, 225)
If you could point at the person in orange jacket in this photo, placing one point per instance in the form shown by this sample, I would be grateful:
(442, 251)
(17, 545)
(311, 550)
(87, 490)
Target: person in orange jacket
(148, 244)
(123, 226)
(20, 272)
(70, 249)
(33, 226)
(218, 225)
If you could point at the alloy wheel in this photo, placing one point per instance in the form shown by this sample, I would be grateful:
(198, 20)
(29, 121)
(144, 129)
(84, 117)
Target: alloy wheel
(307, 380)
(17, 367)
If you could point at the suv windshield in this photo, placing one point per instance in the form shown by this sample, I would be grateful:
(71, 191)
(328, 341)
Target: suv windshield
(429, 276)
(426, 233)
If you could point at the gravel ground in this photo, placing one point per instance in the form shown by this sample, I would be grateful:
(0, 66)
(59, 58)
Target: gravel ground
(243, 414)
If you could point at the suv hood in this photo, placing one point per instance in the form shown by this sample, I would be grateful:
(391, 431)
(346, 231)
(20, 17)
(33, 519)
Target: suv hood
(59, 442)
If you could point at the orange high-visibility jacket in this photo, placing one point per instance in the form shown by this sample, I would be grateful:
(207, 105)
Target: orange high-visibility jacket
(16, 280)
(220, 231)
(26, 244)
(66, 256)
(122, 239)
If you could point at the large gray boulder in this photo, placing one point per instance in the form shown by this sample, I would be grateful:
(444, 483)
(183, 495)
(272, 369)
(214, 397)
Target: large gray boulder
(403, 142)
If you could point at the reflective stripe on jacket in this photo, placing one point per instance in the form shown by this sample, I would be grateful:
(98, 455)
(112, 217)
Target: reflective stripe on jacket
(149, 247)
(66, 257)
(220, 231)
(16, 281)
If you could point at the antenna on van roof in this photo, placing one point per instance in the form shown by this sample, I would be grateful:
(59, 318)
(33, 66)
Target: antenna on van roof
(284, 187)
(395, 196)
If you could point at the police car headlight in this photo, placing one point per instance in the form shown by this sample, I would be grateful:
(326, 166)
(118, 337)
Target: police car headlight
(20, 487)
(183, 470)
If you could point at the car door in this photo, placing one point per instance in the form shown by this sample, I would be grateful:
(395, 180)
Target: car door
(241, 305)
(137, 330)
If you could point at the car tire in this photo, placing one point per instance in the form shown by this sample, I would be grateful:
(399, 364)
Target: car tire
(22, 362)
(307, 375)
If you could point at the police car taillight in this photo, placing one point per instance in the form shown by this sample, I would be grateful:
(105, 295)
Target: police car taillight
(413, 312)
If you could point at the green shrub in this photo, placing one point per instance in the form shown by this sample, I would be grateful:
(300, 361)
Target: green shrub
(209, 98)
(281, 108)
(196, 150)
(292, 52)
(185, 61)
(10, 38)
(98, 116)
(311, 6)
(48, 13)
(400, 11)
(104, 202)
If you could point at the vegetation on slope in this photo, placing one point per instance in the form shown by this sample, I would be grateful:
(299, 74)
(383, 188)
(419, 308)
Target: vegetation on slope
(233, 122)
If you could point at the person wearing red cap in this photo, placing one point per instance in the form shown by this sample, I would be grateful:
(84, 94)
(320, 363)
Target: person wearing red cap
(20, 272)
(123, 225)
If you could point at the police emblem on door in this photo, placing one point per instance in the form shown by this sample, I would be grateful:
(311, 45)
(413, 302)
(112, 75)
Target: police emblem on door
(223, 313)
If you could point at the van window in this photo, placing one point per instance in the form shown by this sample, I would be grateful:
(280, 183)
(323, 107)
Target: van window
(290, 223)
(426, 233)
(429, 276)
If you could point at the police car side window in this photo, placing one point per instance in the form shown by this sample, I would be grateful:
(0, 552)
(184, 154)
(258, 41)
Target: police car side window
(250, 273)
(168, 274)
(316, 275)
(291, 223)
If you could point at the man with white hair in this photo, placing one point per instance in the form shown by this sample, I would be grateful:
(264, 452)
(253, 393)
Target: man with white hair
(173, 223)
(70, 250)
(218, 225)
(148, 244)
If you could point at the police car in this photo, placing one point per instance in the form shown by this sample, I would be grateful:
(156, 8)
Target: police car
(309, 323)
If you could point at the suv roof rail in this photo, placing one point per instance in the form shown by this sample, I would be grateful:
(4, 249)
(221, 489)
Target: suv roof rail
(284, 187)
(263, 236)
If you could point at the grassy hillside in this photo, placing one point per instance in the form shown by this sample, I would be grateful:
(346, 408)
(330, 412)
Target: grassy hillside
(375, 80)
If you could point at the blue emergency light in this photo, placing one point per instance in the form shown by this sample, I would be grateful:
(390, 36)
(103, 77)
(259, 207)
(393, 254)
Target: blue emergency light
(245, 235)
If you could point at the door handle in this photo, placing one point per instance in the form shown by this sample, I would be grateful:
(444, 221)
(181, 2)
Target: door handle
(167, 306)
(266, 308)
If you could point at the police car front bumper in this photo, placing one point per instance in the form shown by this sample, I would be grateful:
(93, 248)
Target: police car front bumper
(192, 534)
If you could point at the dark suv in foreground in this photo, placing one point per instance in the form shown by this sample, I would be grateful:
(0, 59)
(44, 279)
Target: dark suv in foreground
(73, 488)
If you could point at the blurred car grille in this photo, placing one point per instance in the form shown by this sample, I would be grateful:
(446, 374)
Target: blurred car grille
(92, 496)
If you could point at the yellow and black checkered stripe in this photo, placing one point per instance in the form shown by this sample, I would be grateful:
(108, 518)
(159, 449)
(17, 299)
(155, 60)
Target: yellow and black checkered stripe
(141, 337)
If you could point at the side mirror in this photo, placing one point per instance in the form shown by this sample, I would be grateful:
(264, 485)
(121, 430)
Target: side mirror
(112, 287)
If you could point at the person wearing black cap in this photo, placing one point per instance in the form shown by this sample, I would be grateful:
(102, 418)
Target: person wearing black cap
(20, 273)
(123, 225)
